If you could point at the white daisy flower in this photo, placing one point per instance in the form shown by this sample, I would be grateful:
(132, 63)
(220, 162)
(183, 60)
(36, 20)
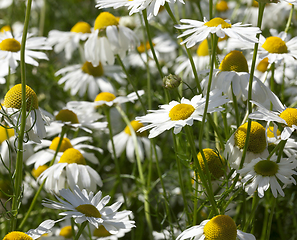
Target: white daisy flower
(10, 49)
(283, 115)
(233, 77)
(152, 6)
(71, 170)
(199, 31)
(108, 39)
(260, 174)
(177, 115)
(36, 119)
(69, 41)
(43, 228)
(277, 48)
(220, 227)
(82, 78)
(46, 155)
(89, 207)
(84, 118)
(257, 145)
(124, 140)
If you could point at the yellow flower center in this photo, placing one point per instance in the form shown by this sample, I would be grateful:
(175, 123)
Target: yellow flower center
(13, 98)
(66, 232)
(266, 168)
(66, 115)
(234, 61)
(222, 6)
(270, 133)
(104, 20)
(202, 50)
(10, 44)
(36, 172)
(65, 144)
(257, 139)
(181, 111)
(101, 232)
(5, 187)
(255, 4)
(89, 210)
(72, 155)
(136, 125)
(105, 96)
(91, 70)
(215, 163)
(275, 45)
(221, 227)
(15, 235)
(290, 116)
(81, 27)
(216, 22)
(262, 65)
(5, 133)
(144, 47)
(5, 28)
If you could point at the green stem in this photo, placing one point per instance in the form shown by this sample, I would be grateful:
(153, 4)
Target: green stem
(42, 18)
(19, 161)
(272, 81)
(269, 222)
(253, 212)
(81, 229)
(289, 19)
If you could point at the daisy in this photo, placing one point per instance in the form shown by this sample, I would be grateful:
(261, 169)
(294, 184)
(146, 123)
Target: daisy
(108, 39)
(257, 145)
(177, 115)
(233, 76)
(69, 41)
(36, 119)
(124, 140)
(277, 48)
(152, 6)
(220, 227)
(82, 78)
(71, 170)
(283, 115)
(84, 118)
(199, 31)
(260, 174)
(43, 228)
(10, 49)
(46, 155)
(92, 208)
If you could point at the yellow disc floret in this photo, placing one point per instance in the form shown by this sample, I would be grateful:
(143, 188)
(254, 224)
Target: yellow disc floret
(10, 45)
(234, 61)
(36, 172)
(13, 98)
(257, 139)
(91, 70)
(104, 20)
(15, 235)
(221, 227)
(136, 125)
(270, 133)
(5, 28)
(266, 168)
(66, 115)
(290, 116)
(202, 50)
(65, 144)
(216, 22)
(5, 133)
(72, 155)
(89, 210)
(215, 163)
(222, 6)
(275, 45)
(81, 27)
(181, 111)
(101, 232)
(263, 65)
(105, 96)
(66, 232)
(142, 47)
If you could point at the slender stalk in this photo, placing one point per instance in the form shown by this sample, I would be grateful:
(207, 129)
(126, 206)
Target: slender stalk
(289, 19)
(81, 229)
(269, 222)
(42, 18)
(253, 212)
(21, 131)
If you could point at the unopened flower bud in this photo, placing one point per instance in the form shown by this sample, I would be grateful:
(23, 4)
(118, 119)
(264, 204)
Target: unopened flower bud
(171, 81)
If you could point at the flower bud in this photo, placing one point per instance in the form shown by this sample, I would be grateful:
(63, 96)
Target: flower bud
(171, 81)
